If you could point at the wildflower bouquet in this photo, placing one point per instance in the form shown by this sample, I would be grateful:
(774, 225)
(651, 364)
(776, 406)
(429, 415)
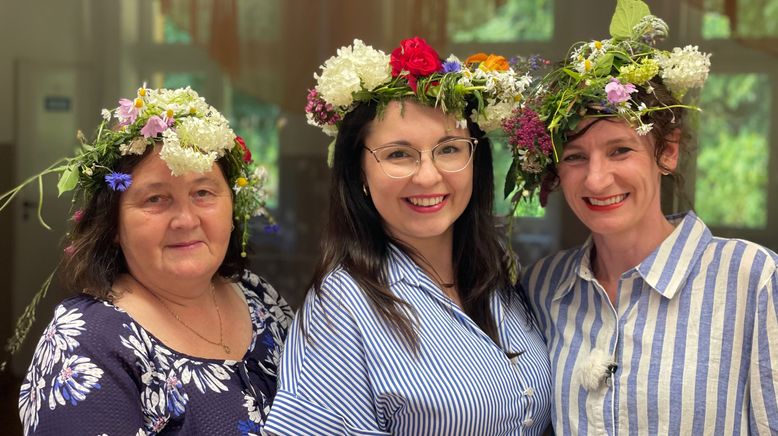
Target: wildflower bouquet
(598, 79)
(360, 73)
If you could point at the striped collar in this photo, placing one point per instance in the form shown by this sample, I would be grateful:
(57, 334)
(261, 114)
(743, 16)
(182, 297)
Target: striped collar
(665, 270)
(401, 267)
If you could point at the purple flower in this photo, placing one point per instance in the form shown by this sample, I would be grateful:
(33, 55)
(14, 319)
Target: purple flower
(154, 126)
(451, 66)
(320, 111)
(526, 131)
(127, 113)
(618, 93)
(118, 181)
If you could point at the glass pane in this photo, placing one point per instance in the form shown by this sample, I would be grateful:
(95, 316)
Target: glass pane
(752, 19)
(179, 80)
(500, 20)
(259, 124)
(731, 185)
(502, 206)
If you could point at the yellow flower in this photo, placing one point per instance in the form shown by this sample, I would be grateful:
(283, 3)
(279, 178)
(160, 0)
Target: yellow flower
(138, 102)
(242, 182)
(169, 113)
(192, 110)
(142, 92)
(598, 44)
(587, 65)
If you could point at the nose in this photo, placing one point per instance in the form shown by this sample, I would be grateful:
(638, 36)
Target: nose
(598, 175)
(427, 173)
(184, 216)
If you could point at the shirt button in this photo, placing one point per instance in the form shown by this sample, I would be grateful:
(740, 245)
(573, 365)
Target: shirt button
(529, 392)
(528, 422)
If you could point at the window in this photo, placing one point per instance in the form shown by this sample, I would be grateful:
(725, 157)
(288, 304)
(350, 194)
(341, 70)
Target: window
(733, 155)
(499, 20)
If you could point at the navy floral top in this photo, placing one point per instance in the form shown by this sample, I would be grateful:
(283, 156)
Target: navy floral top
(98, 372)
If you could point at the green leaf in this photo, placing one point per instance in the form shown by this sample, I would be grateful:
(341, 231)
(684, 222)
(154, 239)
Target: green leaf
(67, 180)
(510, 180)
(628, 13)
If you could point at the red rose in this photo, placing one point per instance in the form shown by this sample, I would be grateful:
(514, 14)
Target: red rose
(246, 152)
(416, 57)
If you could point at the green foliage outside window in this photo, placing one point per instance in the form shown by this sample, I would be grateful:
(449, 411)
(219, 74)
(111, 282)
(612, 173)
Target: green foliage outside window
(731, 184)
(754, 19)
(513, 20)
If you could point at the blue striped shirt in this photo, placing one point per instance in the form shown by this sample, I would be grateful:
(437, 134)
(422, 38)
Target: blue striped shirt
(352, 376)
(694, 335)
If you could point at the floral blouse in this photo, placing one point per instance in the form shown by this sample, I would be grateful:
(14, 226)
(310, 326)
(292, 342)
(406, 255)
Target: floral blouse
(98, 372)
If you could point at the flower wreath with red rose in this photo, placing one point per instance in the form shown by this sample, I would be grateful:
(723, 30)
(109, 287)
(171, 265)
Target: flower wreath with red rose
(359, 73)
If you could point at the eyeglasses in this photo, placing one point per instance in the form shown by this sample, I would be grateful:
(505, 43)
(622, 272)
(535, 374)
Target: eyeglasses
(399, 161)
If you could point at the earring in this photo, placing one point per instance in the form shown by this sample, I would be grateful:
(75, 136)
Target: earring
(665, 173)
(364, 190)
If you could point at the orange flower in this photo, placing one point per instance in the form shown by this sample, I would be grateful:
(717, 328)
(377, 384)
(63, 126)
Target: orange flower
(476, 58)
(495, 63)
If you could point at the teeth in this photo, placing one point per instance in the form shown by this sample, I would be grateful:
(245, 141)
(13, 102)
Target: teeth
(608, 201)
(425, 201)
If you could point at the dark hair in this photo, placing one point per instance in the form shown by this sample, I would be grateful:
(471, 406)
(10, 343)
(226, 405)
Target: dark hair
(95, 259)
(356, 239)
(665, 123)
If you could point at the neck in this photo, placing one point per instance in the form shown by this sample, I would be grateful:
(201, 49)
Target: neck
(616, 253)
(435, 256)
(190, 294)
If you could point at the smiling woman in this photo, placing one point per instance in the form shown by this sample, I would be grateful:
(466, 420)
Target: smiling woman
(168, 322)
(412, 325)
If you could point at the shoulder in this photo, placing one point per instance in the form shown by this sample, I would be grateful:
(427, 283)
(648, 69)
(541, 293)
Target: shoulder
(742, 259)
(261, 293)
(549, 272)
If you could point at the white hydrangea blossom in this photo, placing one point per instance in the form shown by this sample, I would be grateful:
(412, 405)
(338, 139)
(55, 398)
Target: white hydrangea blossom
(684, 68)
(182, 159)
(205, 134)
(353, 68)
(494, 112)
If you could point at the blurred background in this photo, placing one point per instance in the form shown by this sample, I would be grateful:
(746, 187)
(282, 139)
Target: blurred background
(62, 61)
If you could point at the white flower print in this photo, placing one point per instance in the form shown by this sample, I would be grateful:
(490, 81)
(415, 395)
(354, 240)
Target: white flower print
(77, 378)
(30, 399)
(206, 376)
(58, 338)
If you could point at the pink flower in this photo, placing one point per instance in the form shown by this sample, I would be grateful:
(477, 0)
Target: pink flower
(154, 126)
(78, 215)
(127, 113)
(618, 93)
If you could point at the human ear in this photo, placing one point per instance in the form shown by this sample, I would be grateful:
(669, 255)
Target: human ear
(669, 157)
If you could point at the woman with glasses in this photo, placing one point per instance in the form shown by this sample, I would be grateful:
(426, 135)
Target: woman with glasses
(412, 326)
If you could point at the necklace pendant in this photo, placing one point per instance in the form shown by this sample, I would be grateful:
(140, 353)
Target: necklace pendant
(226, 348)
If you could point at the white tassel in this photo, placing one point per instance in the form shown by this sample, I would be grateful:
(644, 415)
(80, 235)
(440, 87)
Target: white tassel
(595, 369)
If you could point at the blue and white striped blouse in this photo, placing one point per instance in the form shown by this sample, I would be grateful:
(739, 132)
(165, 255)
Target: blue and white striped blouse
(352, 376)
(694, 335)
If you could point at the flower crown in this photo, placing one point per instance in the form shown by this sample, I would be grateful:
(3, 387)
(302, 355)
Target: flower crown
(193, 136)
(598, 79)
(359, 73)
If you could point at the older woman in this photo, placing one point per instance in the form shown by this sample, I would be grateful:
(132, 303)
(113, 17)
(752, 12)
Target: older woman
(169, 332)
(412, 326)
(654, 326)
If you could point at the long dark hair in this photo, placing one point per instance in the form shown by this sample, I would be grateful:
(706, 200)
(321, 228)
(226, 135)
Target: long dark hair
(94, 259)
(356, 240)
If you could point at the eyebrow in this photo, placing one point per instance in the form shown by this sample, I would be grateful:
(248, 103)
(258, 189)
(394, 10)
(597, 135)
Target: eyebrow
(613, 141)
(157, 185)
(407, 143)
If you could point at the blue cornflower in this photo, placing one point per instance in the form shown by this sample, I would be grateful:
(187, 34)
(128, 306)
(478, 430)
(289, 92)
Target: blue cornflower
(272, 228)
(118, 181)
(451, 66)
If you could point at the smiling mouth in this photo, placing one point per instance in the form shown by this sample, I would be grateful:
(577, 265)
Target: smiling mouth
(426, 201)
(606, 201)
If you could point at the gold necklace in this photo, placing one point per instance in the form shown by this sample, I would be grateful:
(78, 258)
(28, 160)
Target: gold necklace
(221, 343)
